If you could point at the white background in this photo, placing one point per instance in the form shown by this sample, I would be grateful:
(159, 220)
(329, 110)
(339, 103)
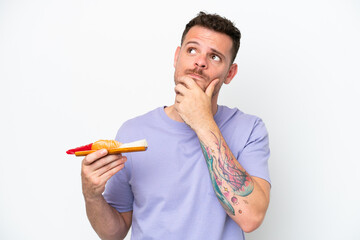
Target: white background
(73, 71)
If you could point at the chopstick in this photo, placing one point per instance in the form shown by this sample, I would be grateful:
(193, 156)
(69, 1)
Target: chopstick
(113, 151)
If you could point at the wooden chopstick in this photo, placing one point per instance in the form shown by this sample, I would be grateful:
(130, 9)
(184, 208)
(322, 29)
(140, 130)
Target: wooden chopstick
(113, 151)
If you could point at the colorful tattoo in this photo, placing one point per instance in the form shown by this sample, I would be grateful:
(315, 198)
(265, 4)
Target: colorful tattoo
(224, 202)
(223, 167)
(234, 200)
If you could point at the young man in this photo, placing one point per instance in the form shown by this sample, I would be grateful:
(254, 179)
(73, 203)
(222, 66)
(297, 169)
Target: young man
(205, 174)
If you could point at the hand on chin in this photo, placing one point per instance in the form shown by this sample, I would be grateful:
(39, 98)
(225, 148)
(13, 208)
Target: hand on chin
(193, 101)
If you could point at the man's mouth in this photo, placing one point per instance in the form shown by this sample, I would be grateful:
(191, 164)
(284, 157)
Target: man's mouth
(197, 75)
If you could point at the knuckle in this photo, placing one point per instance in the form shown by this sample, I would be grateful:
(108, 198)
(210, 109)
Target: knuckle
(96, 182)
(85, 161)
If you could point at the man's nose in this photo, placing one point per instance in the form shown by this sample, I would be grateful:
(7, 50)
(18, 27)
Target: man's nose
(201, 62)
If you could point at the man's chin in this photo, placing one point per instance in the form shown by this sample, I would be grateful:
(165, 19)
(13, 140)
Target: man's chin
(203, 88)
(198, 81)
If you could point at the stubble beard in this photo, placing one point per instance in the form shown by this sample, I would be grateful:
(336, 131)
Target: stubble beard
(198, 72)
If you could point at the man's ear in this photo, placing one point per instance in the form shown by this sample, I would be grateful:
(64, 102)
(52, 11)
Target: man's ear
(176, 55)
(231, 74)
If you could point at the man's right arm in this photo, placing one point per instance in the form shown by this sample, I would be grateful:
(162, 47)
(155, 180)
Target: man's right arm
(97, 169)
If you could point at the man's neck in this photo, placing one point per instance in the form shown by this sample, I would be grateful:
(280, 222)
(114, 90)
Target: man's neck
(174, 115)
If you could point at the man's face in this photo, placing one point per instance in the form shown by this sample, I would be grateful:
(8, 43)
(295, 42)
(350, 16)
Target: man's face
(205, 55)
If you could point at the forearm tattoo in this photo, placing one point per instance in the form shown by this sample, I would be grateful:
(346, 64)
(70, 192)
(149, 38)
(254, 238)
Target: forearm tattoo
(225, 173)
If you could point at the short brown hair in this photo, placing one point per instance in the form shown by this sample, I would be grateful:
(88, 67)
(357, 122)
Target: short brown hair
(217, 24)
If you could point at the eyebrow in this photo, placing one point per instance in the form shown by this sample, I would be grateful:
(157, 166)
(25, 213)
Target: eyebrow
(212, 49)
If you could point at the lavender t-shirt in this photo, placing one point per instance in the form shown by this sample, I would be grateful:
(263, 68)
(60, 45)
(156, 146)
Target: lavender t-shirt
(168, 186)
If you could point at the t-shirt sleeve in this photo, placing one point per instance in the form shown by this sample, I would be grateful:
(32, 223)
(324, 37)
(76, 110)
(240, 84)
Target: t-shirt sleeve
(118, 192)
(256, 152)
(118, 189)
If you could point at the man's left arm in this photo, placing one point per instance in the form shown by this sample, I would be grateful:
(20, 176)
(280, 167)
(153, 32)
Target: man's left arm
(245, 198)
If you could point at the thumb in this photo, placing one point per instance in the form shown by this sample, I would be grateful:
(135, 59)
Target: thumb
(210, 89)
